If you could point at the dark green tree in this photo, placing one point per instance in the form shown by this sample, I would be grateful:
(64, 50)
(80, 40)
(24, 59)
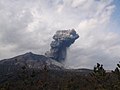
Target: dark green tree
(99, 77)
(116, 74)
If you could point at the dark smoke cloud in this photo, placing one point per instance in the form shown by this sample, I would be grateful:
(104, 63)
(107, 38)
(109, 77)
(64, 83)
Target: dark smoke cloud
(62, 40)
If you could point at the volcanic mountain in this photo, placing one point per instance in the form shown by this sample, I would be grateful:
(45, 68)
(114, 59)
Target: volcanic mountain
(28, 60)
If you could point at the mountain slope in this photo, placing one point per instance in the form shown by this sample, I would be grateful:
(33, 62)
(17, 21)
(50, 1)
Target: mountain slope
(28, 60)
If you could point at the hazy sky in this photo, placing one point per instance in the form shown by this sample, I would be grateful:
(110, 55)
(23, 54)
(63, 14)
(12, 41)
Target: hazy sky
(28, 25)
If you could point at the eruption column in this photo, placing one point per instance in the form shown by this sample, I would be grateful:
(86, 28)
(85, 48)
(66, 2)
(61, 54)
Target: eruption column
(62, 40)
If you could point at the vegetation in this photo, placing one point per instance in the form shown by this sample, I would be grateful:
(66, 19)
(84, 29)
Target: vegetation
(31, 79)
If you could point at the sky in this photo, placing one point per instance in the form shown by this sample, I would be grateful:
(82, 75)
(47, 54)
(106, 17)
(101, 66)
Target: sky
(28, 26)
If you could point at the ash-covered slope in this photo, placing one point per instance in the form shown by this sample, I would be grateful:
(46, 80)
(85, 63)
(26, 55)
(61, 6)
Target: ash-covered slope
(29, 60)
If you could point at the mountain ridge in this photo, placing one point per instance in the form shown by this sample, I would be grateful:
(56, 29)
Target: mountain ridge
(30, 61)
(33, 61)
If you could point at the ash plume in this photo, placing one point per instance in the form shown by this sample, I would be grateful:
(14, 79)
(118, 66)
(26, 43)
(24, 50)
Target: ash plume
(62, 40)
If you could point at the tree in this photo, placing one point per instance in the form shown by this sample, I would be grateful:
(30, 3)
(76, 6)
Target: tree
(116, 74)
(117, 71)
(99, 77)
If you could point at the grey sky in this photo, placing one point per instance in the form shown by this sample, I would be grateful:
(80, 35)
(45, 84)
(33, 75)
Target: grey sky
(28, 25)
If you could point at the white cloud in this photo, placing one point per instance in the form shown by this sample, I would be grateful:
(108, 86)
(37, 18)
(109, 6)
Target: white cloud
(76, 3)
(28, 25)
